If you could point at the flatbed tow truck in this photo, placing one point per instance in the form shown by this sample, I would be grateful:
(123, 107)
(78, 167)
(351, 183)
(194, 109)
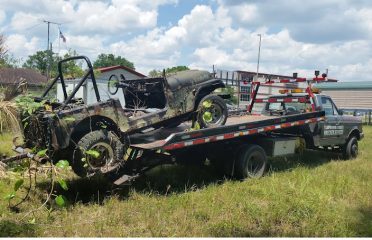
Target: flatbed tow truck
(240, 147)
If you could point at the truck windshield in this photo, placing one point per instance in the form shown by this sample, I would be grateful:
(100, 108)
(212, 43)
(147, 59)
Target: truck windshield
(289, 107)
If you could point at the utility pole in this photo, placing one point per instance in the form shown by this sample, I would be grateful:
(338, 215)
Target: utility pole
(50, 22)
(258, 58)
(49, 47)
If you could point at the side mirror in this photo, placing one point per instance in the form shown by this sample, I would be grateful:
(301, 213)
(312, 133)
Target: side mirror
(341, 112)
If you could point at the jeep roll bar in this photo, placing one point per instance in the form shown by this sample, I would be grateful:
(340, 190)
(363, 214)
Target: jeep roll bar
(90, 73)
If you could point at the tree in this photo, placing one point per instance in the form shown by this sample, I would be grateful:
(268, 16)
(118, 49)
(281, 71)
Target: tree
(3, 48)
(6, 59)
(39, 61)
(72, 69)
(156, 73)
(176, 69)
(107, 60)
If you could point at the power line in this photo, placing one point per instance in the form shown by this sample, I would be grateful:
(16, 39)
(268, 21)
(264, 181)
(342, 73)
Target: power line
(32, 27)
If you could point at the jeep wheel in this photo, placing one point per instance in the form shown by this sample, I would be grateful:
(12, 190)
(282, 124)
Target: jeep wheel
(350, 149)
(212, 112)
(98, 152)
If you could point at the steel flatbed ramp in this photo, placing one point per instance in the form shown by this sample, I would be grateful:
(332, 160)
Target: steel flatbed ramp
(171, 139)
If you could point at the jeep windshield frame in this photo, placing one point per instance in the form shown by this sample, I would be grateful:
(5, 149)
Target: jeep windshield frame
(89, 73)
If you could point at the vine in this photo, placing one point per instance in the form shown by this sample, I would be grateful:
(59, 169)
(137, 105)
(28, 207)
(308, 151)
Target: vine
(26, 170)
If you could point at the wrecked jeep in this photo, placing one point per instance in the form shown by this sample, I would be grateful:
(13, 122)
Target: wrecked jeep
(95, 138)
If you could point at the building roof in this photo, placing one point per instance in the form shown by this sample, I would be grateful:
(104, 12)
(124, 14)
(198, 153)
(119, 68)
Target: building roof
(355, 85)
(275, 75)
(263, 74)
(107, 69)
(14, 76)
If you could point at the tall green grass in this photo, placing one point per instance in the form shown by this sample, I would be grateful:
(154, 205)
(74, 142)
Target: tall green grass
(6, 144)
(311, 195)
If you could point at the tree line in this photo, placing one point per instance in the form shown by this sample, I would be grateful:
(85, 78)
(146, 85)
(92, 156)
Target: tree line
(47, 60)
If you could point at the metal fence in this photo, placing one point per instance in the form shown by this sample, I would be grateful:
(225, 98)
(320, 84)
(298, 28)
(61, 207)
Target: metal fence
(364, 114)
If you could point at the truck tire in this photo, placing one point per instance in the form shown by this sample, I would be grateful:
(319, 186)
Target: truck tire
(350, 150)
(212, 112)
(251, 162)
(111, 154)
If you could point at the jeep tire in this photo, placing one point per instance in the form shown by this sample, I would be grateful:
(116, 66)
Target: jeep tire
(217, 112)
(111, 154)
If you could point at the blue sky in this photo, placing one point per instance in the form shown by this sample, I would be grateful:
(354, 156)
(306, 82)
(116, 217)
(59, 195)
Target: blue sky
(298, 36)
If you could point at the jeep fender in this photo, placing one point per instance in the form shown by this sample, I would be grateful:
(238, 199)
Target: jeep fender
(93, 123)
(205, 90)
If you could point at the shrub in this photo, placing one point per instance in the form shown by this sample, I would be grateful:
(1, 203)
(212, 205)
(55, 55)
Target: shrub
(9, 120)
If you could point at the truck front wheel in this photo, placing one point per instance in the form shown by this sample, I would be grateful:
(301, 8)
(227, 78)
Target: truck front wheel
(350, 149)
(251, 162)
(99, 152)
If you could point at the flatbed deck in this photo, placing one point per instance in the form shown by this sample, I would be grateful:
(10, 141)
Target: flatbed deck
(236, 126)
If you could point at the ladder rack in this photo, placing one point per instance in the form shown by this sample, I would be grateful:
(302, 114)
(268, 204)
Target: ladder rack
(309, 98)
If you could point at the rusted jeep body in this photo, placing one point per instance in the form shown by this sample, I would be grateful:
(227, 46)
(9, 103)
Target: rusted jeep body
(68, 127)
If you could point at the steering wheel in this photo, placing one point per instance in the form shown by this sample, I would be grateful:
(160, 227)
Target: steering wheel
(113, 84)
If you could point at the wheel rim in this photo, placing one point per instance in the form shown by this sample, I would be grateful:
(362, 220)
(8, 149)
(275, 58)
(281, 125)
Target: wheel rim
(105, 158)
(354, 150)
(212, 113)
(254, 165)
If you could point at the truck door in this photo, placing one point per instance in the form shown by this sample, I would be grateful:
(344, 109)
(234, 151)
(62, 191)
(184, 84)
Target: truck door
(331, 130)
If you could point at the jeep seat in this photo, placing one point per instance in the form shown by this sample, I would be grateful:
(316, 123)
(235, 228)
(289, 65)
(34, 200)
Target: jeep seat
(187, 78)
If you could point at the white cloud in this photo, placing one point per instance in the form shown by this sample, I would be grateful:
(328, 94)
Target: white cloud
(87, 16)
(244, 13)
(157, 49)
(160, 47)
(308, 21)
(298, 36)
(217, 42)
(105, 18)
(144, 4)
(2, 16)
(19, 45)
(85, 45)
(22, 21)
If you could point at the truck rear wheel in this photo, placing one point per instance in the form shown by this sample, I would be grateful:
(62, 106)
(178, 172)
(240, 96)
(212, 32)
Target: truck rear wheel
(98, 152)
(350, 149)
(251, 162)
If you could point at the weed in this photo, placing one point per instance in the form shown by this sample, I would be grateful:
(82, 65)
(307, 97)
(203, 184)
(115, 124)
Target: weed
(315, 194)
